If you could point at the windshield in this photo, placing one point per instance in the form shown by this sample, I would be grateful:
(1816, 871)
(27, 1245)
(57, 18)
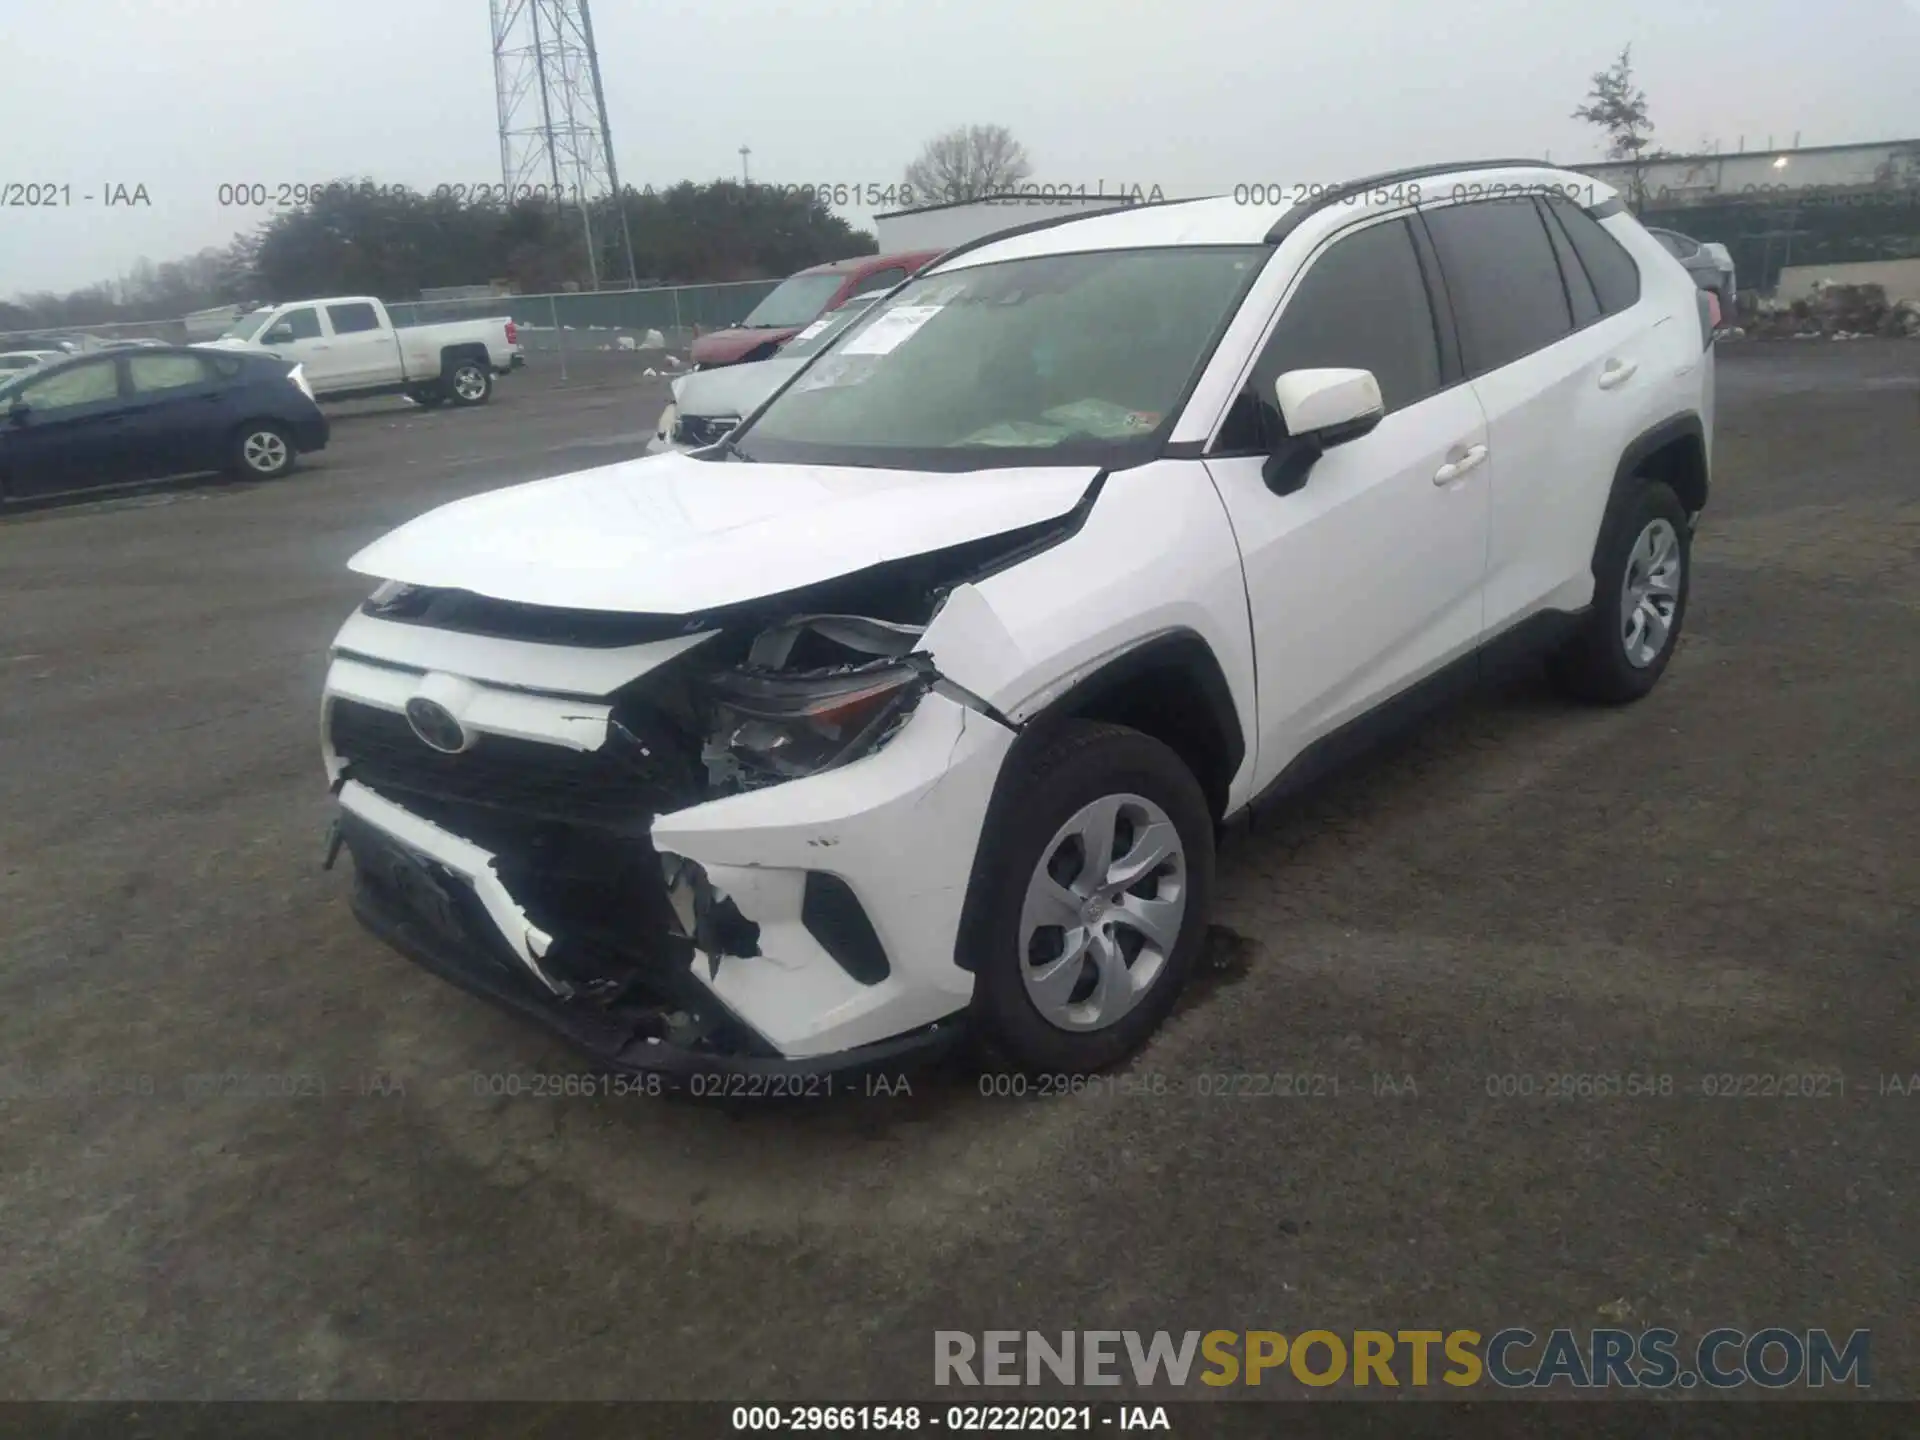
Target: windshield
(1056, 360)
(245, 327)
(822, 332)
(794, 302)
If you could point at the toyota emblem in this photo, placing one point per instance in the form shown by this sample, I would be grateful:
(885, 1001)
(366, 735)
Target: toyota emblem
(436, 726)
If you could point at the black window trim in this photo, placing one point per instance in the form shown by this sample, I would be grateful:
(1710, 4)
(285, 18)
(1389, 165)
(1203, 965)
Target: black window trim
(1562, 244)
(1639, 287)
(1439, 306)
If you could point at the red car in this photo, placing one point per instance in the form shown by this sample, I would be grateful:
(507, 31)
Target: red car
(801, 299)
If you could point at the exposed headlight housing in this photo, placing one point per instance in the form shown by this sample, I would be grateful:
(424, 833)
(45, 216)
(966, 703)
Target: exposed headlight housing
(768, 728)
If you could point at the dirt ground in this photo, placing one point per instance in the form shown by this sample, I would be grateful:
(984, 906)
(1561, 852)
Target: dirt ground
(1720, 882)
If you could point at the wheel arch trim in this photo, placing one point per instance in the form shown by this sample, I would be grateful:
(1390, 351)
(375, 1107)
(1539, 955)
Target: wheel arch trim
(1180, 649)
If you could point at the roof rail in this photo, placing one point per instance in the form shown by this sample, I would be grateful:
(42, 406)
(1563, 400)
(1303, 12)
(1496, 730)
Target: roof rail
(1337, 194)
(1047, 224)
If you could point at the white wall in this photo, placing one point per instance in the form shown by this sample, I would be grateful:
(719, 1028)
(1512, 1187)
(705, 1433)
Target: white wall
(1900, 277)
(945, 226)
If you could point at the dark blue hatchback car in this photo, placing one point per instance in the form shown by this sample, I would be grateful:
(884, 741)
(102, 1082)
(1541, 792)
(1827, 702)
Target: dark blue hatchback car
(99, 421)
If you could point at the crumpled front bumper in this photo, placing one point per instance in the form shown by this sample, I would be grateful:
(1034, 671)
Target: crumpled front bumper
(896, 831)
(483, 964)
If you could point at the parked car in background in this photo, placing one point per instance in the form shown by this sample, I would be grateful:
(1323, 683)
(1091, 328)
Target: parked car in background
(1710, 265)
(915, 705)
(130, 345)
(350, 349)
(12, 362)
(801, 299)
(94, 422)
(709, 403)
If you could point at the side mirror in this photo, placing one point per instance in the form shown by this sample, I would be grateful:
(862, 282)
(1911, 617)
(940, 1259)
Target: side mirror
(278, 335)
(1321, 409)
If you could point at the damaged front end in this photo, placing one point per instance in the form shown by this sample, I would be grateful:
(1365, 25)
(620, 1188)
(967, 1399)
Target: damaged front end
(689, 894)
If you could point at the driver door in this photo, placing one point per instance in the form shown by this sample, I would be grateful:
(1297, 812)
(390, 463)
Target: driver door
(70, 436)
(299, 338)
(1369, 577)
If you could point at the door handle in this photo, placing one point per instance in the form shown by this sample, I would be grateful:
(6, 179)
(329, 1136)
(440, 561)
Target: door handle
(1454, 469)
(1617, 373)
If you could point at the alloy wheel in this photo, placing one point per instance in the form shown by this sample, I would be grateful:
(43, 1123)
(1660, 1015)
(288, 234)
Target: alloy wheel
(1650, 593)
(265, 452)
(1103, 912)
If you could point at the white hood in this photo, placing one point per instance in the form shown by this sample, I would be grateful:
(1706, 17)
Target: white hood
(671, 535)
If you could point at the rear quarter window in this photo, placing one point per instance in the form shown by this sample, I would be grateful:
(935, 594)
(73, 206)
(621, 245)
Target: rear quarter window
(1616, 279)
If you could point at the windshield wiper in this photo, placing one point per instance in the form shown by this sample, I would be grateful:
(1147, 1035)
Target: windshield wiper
(730, 448)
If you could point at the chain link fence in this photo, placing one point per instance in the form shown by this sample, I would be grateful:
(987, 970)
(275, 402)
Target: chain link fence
(601, 319)
(80, 338)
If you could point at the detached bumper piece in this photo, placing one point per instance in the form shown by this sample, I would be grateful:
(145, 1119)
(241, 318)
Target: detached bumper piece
(655, 1019)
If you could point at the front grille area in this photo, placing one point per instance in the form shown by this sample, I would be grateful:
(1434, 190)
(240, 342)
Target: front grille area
(471, 614)
(615, 787)
(703, 429)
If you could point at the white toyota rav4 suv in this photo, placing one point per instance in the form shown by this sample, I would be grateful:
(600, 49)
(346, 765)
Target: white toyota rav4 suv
(914, 707)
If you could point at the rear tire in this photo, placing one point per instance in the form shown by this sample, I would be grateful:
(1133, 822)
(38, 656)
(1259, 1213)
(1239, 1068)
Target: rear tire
(1642, 570)
(1049, 899)
(469, 382)
(261, 450)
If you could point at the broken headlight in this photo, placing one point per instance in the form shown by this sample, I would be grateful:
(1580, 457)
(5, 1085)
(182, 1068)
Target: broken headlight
(779, 727)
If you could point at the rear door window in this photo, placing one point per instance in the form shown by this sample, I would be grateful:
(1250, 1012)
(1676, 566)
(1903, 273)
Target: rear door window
(352, 319)
(149, 373)
(1503, 280)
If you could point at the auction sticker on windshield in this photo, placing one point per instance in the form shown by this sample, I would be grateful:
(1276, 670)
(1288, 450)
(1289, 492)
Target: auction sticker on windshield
(892, 329)
(814, 329)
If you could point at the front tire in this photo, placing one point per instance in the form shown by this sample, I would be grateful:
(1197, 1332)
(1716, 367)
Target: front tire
(469, 382)
(1642, 571)
(261, 450)
(1097, 900)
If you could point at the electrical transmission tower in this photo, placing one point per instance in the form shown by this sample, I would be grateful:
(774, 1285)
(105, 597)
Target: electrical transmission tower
(553, 119)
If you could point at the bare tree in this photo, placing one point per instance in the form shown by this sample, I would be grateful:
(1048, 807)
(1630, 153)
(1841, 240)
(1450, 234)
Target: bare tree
(966, 163)
(1619, 107)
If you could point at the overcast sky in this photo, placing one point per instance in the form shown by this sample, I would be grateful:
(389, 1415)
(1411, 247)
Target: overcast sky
(1194, 96)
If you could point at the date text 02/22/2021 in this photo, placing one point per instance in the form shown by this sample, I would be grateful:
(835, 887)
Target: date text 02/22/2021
(948, 1419)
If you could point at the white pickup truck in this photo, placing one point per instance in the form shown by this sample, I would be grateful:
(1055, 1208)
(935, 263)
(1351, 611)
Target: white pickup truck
(349, 348)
